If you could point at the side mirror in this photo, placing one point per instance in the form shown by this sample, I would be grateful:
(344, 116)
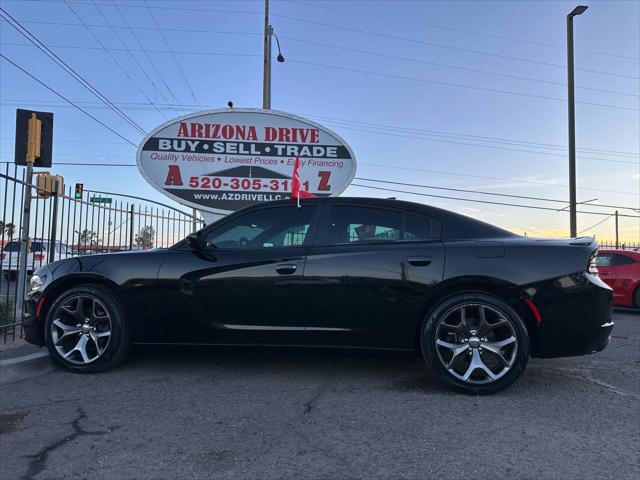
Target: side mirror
(195, 241)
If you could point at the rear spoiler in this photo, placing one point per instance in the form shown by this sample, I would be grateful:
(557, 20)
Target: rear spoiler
(583, 241)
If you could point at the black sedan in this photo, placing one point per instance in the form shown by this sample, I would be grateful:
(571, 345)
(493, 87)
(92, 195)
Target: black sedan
(474, 300)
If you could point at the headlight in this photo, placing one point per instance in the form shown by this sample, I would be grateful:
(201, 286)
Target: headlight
(36, 283)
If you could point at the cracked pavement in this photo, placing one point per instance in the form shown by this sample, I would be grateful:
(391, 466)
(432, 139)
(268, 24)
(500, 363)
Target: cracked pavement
(232, 414)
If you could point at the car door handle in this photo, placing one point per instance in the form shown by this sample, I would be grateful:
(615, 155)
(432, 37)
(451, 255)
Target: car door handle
(286, 268)
(419, 261)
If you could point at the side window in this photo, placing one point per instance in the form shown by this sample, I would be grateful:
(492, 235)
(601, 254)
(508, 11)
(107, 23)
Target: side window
(622, 260)
(350, 224)
(604, 260)
(420, 228)
(264, 228)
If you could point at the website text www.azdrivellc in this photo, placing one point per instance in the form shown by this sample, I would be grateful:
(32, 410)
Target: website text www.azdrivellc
(251, 197)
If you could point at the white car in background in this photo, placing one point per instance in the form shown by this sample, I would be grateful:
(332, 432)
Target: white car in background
(36, 257)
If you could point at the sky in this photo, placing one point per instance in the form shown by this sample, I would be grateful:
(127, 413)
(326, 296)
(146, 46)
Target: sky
(456, 94)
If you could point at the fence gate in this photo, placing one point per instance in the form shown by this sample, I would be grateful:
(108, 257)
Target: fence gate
(62, 226)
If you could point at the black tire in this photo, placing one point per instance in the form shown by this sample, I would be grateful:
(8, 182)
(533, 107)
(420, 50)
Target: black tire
(119, 341)
(433, 355)
(636, 297)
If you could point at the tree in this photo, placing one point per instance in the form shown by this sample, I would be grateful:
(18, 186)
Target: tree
(88, 236)
(146, 237)
(10, 228)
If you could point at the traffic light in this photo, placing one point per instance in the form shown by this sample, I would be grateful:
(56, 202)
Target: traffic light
(79, 188)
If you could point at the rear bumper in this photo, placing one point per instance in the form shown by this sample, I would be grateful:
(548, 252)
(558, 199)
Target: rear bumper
(576, 313)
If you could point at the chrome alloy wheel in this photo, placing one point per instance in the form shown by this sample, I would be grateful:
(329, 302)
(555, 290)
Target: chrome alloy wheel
(81, 329)
(476, 343)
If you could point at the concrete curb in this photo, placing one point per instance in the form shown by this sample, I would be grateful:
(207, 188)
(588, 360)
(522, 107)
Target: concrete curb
(25, 366)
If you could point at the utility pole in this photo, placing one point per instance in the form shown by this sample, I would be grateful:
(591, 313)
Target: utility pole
(33, 152)
(617, 238)
(573, 224)
(266, 77)
(266, 74)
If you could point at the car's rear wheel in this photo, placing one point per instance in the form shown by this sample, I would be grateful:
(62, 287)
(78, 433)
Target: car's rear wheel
(86, 329)
(636, 297)
(475, 342)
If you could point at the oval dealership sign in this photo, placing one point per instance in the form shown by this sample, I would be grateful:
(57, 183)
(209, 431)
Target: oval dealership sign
(223, 160)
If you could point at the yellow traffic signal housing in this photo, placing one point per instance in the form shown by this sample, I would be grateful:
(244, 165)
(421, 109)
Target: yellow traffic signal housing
(49, 185)
(33, 138)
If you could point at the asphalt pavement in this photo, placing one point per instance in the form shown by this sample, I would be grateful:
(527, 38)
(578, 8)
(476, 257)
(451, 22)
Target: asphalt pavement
(206, 413)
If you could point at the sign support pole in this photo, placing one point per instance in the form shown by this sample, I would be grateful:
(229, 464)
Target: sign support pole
(33, 152)
(54, 226)
(24, 238)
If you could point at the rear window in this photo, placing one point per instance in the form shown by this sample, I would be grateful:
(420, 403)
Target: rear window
(420, 228)
(356, 224)
(363, 224)
(15, 247)
(12, 247)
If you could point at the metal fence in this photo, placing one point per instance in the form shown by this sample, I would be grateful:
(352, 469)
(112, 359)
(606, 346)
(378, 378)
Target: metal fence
(620, 246)
(62, 226)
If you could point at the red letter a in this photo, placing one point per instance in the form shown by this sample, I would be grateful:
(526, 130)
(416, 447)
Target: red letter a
(173, 177)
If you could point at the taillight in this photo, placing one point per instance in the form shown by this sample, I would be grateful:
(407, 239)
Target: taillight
(38, 256)
(592, 267)
(2, 255)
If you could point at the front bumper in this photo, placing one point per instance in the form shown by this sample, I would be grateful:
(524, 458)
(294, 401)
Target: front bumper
(576, 313)
(31, 325)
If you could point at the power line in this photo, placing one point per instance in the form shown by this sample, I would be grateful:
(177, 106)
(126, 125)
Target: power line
(460, 190)
(450, 47)
(456, 67)
(66, 99)
(451, 84)
(458, 30)
(175, 60)
(133, 57)
(395, 76)
(504, 179)
(115, 60)
(425, 136)
(378, 126)
(395, 134)
(355, 50)
(499, 140)
(599, 223)
(480, 201)
(255, 12)
(61, 63)
(153, 65)
(463, 190)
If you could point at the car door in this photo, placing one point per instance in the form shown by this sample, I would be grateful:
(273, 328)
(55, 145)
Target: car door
(367, 276)
(626, 272)
(606, 269)
(245, 284)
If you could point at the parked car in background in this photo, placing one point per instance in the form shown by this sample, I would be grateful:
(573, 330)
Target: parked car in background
(620, 269)
(474, 300)
(37, 256)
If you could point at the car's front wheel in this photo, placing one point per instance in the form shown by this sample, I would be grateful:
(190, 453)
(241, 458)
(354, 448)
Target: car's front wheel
(86, 329)
(475, 342)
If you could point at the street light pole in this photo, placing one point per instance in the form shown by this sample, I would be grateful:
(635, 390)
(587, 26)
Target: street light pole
(573, 224)
(266, 73)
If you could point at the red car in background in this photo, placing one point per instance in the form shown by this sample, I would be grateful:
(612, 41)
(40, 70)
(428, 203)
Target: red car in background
(620, 269)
